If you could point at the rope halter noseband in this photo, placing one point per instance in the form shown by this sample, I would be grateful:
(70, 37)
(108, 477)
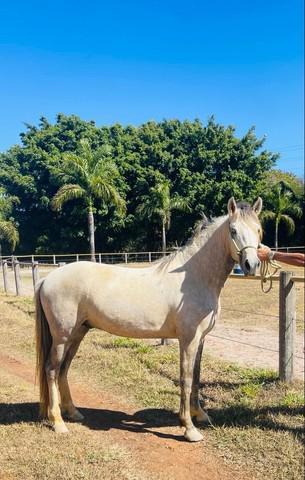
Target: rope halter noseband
(239, 251)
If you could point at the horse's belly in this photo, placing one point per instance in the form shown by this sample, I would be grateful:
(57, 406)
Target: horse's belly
(132, 320)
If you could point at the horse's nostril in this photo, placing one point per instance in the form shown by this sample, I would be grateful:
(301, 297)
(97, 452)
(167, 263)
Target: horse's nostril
(247, 265)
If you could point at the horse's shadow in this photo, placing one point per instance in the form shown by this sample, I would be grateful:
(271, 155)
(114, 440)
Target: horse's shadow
(143, 421)
(150, 419)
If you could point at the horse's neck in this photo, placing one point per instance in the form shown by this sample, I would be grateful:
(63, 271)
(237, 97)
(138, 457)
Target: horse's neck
(210, 257)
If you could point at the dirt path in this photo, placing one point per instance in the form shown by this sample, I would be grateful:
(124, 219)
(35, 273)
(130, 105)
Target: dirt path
(160, 451)
(251, 346)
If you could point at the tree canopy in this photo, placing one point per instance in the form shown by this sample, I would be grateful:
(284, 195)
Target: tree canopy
(203, 166)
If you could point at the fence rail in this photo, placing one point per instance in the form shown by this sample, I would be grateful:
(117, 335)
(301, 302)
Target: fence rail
(112, 257)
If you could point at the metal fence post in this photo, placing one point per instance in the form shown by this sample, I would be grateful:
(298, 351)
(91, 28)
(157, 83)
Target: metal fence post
(126, 257)
(149, 257)
(287, 326)
(54, 259)
(5, 279)
(16, 267)
(35, 273)
(100, 258)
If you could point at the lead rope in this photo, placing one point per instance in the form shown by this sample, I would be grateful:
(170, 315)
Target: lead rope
(265, 269)
(266, 274)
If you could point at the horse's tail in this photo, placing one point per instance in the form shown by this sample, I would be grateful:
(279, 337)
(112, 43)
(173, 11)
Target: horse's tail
(43, 347)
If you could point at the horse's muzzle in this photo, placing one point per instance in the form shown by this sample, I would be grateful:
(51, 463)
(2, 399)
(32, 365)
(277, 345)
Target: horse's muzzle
(250, 266)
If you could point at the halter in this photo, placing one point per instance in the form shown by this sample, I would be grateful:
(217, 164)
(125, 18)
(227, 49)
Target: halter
(265, 273)
(239, 251)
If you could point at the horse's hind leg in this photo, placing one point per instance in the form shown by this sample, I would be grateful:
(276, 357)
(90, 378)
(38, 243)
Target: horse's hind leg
(196, 410)
(53, 364)
(67, 405)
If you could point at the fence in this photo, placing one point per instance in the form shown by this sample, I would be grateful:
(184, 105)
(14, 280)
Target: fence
(112, 258)
(12, 266)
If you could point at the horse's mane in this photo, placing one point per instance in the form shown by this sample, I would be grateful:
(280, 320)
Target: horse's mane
(203, 231)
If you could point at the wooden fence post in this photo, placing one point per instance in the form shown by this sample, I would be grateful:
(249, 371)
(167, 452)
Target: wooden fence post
(287, 327)
(5, 279)
(16, 267)
(35, 273)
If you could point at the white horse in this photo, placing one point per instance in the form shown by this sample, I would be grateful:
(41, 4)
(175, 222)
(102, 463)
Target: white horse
(175, 297)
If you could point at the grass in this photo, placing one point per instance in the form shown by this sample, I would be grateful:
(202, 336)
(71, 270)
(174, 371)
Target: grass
(258, 420)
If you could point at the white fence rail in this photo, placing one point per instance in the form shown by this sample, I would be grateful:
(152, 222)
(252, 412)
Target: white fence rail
(123, 257)
(112, 257)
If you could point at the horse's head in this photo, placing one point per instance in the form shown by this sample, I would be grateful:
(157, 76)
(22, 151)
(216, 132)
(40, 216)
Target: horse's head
(245, 233)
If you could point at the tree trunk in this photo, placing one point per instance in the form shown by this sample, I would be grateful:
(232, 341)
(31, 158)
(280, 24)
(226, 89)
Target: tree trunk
(276, 234)
(91, 234)
(163, 238)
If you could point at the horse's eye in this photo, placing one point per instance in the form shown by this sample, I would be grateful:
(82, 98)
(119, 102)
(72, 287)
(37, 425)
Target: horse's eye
(233, 231)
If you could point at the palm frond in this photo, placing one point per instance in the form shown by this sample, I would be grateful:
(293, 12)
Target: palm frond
(66, 193)
(103, 188)
(267, 215)
(296, 210)
(9, 232)
(288, 222)
(179, 203)
(147, 209)
(105, 168)
(74, 165)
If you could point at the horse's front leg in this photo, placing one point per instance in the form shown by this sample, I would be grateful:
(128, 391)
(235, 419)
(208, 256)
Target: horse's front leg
(188, 351)
(196, 410)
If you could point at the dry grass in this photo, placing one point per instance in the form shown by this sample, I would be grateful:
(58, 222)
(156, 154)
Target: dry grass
(258, 421)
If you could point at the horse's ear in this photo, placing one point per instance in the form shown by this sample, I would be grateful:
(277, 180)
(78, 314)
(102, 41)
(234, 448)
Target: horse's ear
(258, 205)
(232, 207)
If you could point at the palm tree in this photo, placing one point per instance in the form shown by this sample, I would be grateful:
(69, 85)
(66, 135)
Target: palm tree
(8, 229)
(93, 174)
(284, 204)
(9, 233)
(160, 204)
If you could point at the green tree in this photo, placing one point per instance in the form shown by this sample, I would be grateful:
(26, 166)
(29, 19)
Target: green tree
(204, 163)
(94, 175)
(284, 205)
(160, 204)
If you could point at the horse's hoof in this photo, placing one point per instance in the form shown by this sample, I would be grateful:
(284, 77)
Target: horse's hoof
(193, 435)
(60, 428)
(76, 416)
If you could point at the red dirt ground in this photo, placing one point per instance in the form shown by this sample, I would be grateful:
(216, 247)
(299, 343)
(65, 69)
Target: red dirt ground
(160, 450)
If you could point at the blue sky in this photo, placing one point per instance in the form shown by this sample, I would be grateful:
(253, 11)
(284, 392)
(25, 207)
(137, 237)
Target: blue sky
(134, 61)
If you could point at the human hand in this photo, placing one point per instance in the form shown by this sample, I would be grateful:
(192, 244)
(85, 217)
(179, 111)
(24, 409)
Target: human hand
(263, 253)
